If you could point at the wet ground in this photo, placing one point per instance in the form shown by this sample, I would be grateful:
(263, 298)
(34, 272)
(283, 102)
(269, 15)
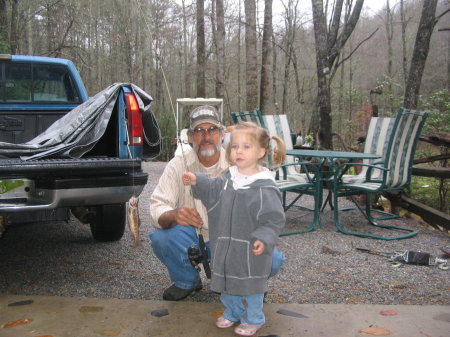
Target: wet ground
(60, 282)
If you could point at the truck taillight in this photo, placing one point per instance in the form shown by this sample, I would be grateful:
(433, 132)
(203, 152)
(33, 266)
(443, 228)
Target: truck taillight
(135, 132)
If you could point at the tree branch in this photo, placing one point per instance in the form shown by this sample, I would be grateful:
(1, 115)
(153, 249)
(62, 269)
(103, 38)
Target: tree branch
(337, 65)
(347, 31)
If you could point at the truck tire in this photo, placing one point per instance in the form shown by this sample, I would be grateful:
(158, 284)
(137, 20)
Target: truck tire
(108, 223)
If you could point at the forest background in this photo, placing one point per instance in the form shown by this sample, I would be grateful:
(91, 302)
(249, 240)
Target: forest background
(200, 48)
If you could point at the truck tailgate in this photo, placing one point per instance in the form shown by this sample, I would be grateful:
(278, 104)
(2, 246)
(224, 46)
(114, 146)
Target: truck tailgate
(11, 167)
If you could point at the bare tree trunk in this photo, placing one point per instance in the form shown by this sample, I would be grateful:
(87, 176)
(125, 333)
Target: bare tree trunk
(420, 53)
(239, 90)
(287, 64)
(404, 59)
(448, 62)
(251, 57)
(89, 78)
(324, 129)
(186, 73)
(201, 56)
(390, 54)
(266, 94)
(329, 44)
(274, 74)
(3, 27)
(340, 98)
(220, 42)
(29, 32)
(60, 19)
(49, 28)
(98, 52)
(143, 44)
(14, 34)
(288, 47)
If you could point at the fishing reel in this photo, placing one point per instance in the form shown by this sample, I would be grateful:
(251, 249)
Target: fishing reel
(194, 257)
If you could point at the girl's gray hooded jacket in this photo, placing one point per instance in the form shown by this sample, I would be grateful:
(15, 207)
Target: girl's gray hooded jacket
(239, 214)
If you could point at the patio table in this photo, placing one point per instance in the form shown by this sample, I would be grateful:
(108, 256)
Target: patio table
(331, 158)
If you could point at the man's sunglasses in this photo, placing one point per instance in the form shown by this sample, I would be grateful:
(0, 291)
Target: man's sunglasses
(212, 131)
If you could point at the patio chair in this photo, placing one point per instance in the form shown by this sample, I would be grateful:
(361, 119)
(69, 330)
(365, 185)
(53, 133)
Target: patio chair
(377, 141)
(393, 173)
(254, 116)
(293, 176)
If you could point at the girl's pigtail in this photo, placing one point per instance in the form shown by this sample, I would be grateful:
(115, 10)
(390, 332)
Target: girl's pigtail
(279, 152)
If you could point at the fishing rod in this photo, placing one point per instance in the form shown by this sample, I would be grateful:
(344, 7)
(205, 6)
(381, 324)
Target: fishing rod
(201, 240)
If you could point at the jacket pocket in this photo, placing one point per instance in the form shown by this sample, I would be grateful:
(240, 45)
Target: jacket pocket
(232, 258)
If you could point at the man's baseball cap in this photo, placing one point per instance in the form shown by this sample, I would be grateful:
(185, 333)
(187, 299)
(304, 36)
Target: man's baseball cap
(204, 114)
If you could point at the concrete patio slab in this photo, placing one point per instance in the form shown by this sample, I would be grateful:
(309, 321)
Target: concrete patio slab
(50, 316)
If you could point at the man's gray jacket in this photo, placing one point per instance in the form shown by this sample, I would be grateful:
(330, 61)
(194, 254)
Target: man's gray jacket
(240, 213)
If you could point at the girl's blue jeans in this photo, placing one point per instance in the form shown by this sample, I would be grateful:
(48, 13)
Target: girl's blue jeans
(245, 309)
(171, 245)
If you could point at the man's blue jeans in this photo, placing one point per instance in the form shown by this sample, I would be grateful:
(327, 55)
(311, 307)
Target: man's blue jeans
(171, 245)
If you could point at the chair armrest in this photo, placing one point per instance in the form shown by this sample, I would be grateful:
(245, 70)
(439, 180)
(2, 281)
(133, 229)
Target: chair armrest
(303, 163)
(341, 170)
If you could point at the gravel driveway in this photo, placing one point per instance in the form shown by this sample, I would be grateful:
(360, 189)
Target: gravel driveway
(322, 266)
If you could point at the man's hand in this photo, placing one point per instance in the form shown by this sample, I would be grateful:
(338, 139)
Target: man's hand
(188, 216)
(184, 216)
(258, 248)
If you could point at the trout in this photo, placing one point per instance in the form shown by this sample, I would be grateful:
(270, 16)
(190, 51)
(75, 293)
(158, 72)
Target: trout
(133, 220)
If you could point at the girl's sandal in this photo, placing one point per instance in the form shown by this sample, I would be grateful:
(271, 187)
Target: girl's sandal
(223, 323)
(245, 329)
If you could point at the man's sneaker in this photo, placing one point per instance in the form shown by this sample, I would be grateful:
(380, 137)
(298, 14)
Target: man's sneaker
(173, 293)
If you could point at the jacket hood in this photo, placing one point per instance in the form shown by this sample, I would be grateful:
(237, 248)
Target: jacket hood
(257, 180)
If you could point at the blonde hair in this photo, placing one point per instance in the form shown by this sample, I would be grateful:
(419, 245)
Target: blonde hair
(262, 138)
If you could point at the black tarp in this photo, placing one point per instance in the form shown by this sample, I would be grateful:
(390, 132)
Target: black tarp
(79, 130)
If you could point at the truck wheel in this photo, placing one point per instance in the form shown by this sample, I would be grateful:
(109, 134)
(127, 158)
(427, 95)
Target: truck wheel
(108, 223)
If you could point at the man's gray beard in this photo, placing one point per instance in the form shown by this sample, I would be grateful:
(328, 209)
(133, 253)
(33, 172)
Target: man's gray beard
(208, 152)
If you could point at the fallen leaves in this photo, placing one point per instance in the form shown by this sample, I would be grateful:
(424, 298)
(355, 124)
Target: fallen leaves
(397, 285)
(18, 322)
(354, 300)
(388, 313)
(327, 250)
(90, 309)
(376, 331)
(108, 332)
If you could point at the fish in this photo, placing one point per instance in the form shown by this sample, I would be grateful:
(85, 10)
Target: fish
(134, 221)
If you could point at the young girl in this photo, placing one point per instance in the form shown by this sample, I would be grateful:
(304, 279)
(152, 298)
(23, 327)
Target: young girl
(246, 216)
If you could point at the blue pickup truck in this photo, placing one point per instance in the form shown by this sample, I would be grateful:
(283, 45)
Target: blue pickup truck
(63, 153)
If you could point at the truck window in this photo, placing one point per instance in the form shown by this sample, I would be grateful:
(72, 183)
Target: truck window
(28, 83)
(17, 83)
